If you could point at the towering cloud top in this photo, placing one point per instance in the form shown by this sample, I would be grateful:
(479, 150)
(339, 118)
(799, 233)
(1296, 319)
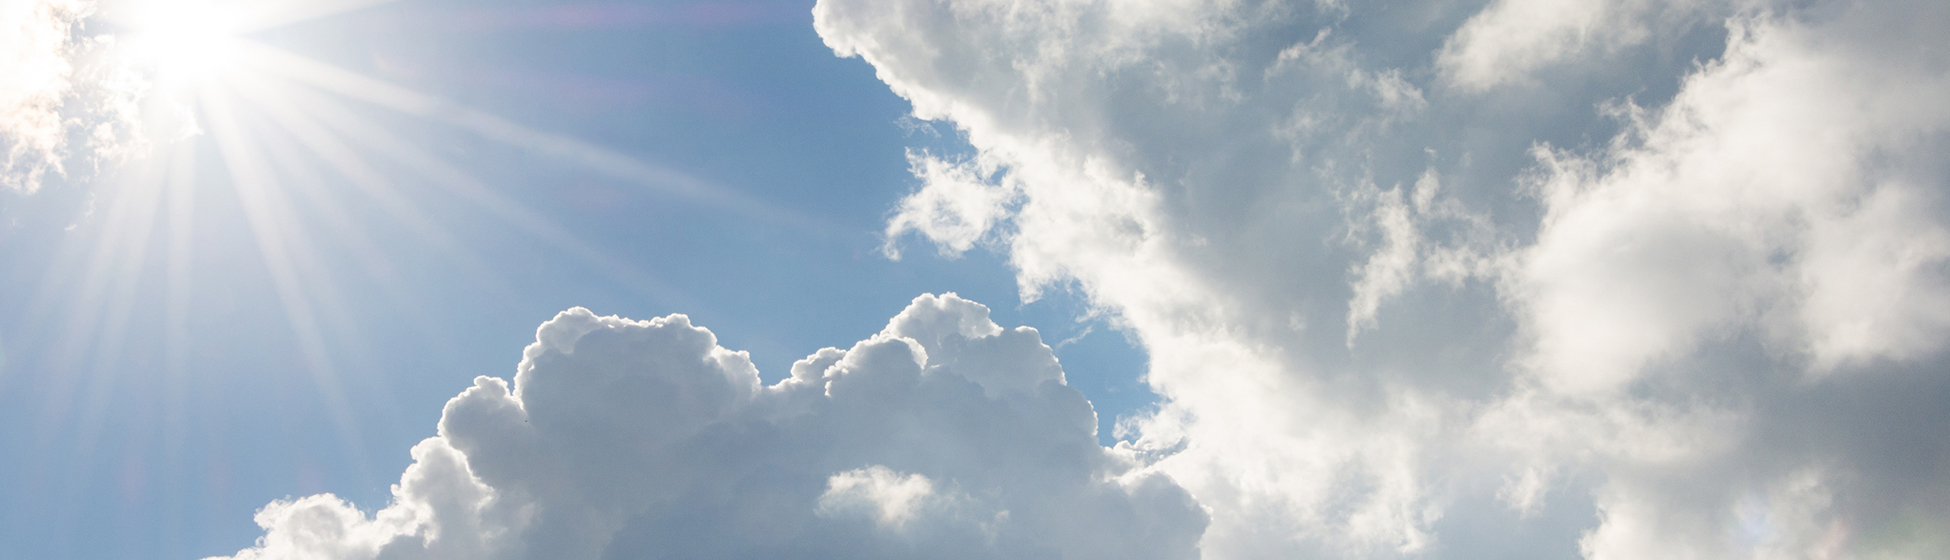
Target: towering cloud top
(945, 436)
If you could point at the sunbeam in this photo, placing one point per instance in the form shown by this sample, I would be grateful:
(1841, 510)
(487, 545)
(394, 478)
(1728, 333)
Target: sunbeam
(265, 169)
(562, 148)
(581, 279)
(280, 243)
(201, 54)
(295, 154)
(450, 179)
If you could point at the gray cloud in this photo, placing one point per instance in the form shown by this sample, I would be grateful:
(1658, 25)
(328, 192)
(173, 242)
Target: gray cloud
(1615, 279)
(1677, 261)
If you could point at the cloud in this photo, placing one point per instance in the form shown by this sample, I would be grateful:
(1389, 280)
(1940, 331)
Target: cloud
(1510, 39)
(34, 60)
(956, 206)
(1632, 279)
(944, 436)
(1733, 224)
(889, 497)
(60, 90)
(1741, 200)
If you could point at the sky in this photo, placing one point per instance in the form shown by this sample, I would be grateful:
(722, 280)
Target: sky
(359, 279)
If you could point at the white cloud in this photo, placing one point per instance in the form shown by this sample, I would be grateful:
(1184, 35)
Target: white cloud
(1684, 295)
(35, 80)
(956, 206)
(644, 438)
(1684, 278)
(78, 98)
(1753, 195)
(890, 498)
(65, 97)
(1743, 209)
(1510, 39)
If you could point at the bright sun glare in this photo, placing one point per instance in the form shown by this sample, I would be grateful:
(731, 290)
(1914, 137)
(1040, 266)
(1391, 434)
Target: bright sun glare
(294, 147)
(186, 38)
(299, 143)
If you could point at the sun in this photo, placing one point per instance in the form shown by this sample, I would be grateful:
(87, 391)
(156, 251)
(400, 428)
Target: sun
(185, 39)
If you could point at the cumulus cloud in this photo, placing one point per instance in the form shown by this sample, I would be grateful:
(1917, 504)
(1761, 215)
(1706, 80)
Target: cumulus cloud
(1522, 279)
(1737, 201)
(1420, 277)
(1734, 223)
(943, 436)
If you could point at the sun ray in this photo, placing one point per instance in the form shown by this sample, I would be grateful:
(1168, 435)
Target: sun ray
(280, 104)
(583, 154)
(271, 14)
(287, 135)
(295, 112)
(255, 184)
(101, 289)
(299, 185)
(471, 190)
(181, 212)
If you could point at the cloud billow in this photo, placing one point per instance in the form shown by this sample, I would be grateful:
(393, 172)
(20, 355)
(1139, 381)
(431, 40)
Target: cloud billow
(944, 436)
(1629, 279)
(1599, 278)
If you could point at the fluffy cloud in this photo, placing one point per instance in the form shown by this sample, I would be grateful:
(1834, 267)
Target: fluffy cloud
(1609, 278)
(943, 436)
(1617, 278)
(1774, 235)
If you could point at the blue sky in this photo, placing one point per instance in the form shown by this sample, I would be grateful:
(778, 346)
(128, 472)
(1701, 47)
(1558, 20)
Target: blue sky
(1417, 279)
(144, 461)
